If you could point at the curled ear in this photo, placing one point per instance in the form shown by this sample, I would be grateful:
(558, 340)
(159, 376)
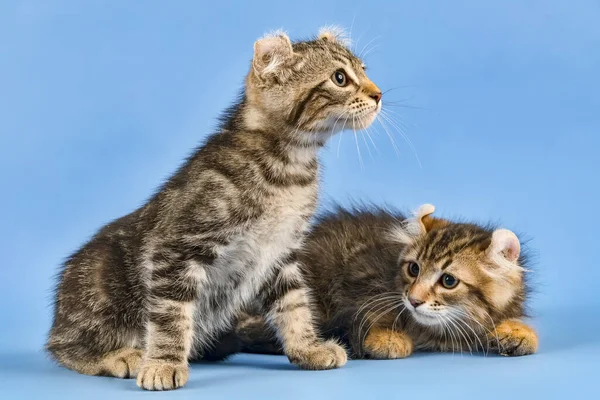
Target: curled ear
(271, 52)
(418, 224)
(415, 225)
(506, 244)
(336, 34)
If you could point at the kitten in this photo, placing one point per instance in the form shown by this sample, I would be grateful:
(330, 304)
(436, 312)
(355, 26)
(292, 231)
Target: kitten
(155, 288)
(386, 285)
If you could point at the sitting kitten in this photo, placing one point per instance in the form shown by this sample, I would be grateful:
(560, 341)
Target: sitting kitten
(386, 285)
(154, 288)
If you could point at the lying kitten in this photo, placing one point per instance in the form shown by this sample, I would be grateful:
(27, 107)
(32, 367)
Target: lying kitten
(155, 287)
(386, 285)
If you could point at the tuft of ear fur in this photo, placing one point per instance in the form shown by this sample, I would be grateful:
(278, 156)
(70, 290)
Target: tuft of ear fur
(271, 52)
(416, 225)
(336, 34)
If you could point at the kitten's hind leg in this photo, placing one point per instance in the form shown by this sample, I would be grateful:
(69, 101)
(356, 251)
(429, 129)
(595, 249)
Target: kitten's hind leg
(256, 336)
(288, 306)
(121, 363)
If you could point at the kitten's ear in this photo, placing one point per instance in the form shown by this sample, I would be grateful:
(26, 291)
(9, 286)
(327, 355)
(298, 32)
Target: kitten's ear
(334, 34)
(419, 224)
(416, 225)
(506, 244)
(271, 52)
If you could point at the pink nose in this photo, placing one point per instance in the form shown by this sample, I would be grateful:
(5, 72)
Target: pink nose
(376, 97)
(415, 302)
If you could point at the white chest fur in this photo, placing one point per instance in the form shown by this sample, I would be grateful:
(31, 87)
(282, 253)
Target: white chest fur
(251, 257)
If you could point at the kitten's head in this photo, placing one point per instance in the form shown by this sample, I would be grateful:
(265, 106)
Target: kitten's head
(456, 271)
(314, 88)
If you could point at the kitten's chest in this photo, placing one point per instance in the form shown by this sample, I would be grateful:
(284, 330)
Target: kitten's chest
(264, 240)
(283, 222)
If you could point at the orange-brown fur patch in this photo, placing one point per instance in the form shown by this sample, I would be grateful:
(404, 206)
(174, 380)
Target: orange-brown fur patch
(431, 223)
(515, 338)
(385, 343)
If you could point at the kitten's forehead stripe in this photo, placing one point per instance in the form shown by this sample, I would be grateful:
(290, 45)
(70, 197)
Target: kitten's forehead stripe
(446, 264)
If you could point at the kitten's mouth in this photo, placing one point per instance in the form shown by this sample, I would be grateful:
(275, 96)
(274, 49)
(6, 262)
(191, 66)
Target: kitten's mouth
(365, 120)
(333, 125)
(422, 317)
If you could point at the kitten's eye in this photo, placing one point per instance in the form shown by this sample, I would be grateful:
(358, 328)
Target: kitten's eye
(339, 78)
(413, 269)
(448, 281)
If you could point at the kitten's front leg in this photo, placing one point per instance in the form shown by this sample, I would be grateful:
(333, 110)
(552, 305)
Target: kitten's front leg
(384, 344)
(169, 332)
(513, 338)
(289, 311)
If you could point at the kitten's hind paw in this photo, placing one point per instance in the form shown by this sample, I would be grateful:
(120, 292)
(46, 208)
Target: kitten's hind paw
(160, 375)
(318, 356)
(514, 338)
(122, 363)
(385, 344)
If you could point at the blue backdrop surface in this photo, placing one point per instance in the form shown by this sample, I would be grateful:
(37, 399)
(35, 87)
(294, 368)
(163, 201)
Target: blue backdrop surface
(100, 101)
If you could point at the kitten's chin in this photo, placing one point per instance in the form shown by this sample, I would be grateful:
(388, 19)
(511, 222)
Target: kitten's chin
(424, 319)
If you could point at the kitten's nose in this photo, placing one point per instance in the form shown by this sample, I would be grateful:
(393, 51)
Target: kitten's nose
(415, 302)
(376, 96)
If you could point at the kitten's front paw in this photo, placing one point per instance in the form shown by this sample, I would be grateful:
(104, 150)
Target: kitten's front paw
(160, 375)
(514, 338)
(321, 355)
(385, 344)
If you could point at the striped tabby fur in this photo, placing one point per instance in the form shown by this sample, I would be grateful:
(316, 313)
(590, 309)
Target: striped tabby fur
(357, 263)
(156, 287)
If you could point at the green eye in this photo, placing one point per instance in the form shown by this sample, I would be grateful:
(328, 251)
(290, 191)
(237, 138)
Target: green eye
(339, 78)
(413, 269)
(448, 281)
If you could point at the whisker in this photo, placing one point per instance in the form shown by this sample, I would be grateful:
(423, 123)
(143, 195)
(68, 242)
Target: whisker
(365, 140)
(357, 147)
(394, 145)
(369, 51)
(398, 119)
(402, 133)
(461, 331)
(373, 298)
(450, 330)
(360, 55)
(473, 319)
(390, 308)
(380, 306)
(368, 133)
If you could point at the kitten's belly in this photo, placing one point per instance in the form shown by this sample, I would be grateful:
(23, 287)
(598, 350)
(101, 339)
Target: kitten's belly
(247, 262)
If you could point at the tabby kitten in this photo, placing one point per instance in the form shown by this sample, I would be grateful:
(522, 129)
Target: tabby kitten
(154, 288)
(386, 285)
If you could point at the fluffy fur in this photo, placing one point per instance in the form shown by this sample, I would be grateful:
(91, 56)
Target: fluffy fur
(358, 265)
(156, 287)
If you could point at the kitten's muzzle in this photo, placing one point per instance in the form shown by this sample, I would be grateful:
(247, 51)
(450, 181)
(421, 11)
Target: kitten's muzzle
(415, 302)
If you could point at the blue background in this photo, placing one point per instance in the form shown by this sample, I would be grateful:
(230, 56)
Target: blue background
(101, 100)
